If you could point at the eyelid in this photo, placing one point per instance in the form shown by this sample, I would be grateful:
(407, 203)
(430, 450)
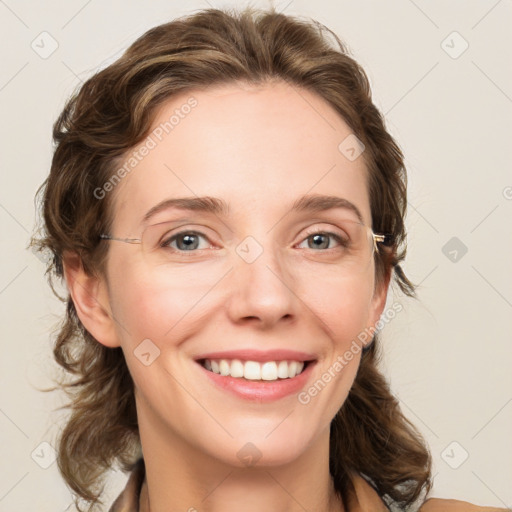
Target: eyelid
(177, 227)
(186, 222)
(333, 230)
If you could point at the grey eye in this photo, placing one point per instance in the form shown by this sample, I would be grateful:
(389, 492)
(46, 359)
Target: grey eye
(185, 241)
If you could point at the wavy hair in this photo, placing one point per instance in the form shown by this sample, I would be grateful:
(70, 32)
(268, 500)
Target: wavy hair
(110, 114)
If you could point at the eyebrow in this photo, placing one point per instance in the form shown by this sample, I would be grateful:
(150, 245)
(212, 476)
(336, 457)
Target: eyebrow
(314, 203)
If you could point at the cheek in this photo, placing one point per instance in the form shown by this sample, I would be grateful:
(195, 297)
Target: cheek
(342, 305)
(171, 307)
(160, 308)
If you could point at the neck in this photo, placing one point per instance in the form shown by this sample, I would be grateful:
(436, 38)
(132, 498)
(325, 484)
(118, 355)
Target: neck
(181, 477)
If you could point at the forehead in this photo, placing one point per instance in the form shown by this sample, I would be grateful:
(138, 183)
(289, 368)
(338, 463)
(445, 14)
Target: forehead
(257, 147)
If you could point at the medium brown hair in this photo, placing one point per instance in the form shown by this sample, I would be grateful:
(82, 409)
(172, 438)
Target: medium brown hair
(111, 113)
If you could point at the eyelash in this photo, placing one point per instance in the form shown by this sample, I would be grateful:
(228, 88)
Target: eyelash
(165, 243)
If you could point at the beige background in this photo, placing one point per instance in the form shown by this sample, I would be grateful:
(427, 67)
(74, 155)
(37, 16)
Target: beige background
(448, 356)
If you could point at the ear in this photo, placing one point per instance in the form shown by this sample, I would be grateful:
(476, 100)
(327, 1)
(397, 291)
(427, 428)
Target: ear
(90, 297)
(378, 302)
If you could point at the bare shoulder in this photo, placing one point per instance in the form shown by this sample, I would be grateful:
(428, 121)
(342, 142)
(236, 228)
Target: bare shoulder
(442, 505)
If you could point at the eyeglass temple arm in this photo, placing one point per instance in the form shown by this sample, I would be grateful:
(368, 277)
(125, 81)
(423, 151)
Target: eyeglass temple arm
(126, 240)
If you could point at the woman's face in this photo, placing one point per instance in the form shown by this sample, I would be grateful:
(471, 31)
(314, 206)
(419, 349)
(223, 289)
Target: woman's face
(249, 281)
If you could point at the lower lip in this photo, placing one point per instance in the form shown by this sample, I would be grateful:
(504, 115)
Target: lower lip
(261, 391)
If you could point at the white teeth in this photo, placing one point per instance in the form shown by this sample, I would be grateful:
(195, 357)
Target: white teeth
(282, 370)
(224, 367)
(269, 371)
(253, 370)
(237, 368)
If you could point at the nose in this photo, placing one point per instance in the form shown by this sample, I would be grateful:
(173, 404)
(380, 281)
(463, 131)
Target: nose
(262, 288)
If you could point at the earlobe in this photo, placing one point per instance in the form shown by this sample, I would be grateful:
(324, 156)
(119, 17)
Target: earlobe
(90, 297)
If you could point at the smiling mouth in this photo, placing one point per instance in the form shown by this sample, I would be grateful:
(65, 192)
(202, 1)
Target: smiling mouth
(254, 370)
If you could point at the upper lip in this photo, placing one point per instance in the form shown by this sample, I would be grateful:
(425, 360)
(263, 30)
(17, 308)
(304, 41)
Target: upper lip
(259, 355)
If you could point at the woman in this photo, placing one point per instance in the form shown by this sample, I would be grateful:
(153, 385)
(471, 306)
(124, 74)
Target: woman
(227, 209)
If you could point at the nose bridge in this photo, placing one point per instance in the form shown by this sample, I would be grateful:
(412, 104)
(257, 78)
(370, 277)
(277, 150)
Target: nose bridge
(263, 284)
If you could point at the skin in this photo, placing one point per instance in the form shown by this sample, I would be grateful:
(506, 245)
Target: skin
(259, 149)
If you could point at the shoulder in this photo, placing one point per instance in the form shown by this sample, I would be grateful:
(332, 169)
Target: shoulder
(366, 499)
(129, 499)
(442, 505)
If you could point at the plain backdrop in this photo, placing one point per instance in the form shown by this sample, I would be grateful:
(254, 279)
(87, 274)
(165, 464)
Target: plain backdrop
(440, 73)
